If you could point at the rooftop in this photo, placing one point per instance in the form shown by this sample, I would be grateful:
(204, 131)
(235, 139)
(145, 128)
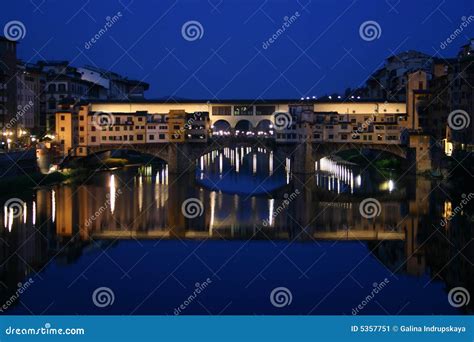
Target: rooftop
(247, 101)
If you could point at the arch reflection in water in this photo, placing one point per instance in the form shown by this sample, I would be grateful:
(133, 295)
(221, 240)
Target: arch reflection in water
(241, 170)
(340, 176)
(393, 237)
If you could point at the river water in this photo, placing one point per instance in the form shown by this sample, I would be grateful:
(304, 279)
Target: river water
(243, 225)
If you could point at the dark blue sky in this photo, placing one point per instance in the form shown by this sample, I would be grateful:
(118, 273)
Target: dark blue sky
(320, 52)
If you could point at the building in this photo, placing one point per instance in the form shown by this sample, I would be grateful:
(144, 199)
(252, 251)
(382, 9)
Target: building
(119, 123)
(8, 87)
(117, 87)
(391, 80)
(67, 133)
(30, 98)
(64, 82)
(448, 89)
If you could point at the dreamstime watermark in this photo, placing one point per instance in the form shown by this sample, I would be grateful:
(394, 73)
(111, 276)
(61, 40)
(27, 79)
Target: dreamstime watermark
(46, 330)
(22, 110)
(458, 297)
(377, 288)
(192, 30)
(362, 128)
(370, 208)
(14, 30)
(458, 209)
(283, 206)
(103, 296)
(103, 120)
(281, 297)
(103, 207)
(22, 287)
(14, 207)
(458, 120)
(282, 120)
(287, 22)
(370, 30)
(110, 22)
(466, 21)
(200, 287)
(192, 208)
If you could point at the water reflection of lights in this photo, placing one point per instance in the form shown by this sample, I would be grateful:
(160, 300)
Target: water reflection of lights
(235, 156)
(213, 211)
(270, 211)
(33, 214)
(387, 186)
(112, 191)
(10, 219)
(53, 205)
(336, 176)
(25, 210)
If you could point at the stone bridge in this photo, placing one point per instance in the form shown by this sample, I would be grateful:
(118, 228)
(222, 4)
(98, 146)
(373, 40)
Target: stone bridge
(182, 157)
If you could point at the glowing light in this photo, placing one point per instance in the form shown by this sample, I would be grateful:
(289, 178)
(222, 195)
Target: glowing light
(53, 205)
(391, 185)
(112, 190)
(33, 213)
(270, 211)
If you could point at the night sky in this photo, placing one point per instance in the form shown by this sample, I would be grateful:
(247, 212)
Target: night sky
(320, 52)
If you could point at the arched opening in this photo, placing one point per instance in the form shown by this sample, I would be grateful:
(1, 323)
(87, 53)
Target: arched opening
(119, 158)
(244, 128)
(221, 128)
(241, 169)
(264, 129)
(358, 169)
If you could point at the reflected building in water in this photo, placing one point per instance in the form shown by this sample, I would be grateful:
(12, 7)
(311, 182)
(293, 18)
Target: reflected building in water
(59, 222)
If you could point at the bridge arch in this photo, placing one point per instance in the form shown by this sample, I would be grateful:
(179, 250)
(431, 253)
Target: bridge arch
(264, 127)
(327, 149)
(220, 127)
(244, 127)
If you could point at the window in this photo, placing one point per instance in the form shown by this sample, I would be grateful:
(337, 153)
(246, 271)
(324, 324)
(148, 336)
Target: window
(81, 140)
(81, 118)
(221, 110)
(151, 137)
(243, 110)
(63, 117)
(52, 88)
(331, 136)
(81, 128)
(162, 137)
(265, 110)
(62, 129)
(62, 88)
(93, 139)
(93, 128)
(104, 138)
(139, 136)
(176, 127)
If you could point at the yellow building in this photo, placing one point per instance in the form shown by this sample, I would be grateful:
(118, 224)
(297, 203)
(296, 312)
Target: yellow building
(176, 126)
(66, 131)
